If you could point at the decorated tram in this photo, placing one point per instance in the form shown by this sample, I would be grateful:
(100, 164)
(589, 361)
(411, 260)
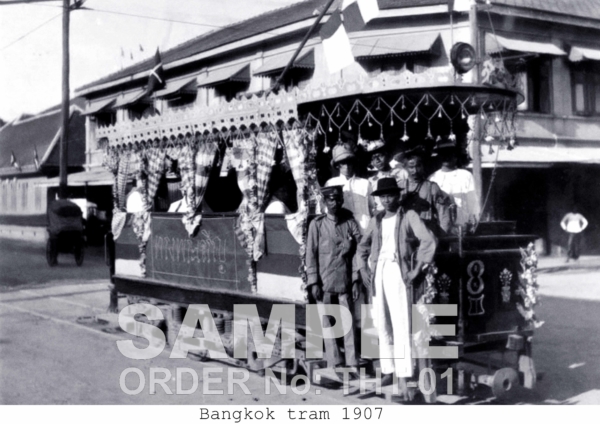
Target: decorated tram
(192, 187)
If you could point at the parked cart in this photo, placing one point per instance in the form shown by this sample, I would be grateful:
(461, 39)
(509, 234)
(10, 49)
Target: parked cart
(65, 231)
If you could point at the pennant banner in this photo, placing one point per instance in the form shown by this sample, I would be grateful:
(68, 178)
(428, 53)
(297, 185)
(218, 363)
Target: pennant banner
(156, 79)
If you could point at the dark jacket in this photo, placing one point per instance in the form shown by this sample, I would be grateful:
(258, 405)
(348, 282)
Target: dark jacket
(408, 225)
(330, 251)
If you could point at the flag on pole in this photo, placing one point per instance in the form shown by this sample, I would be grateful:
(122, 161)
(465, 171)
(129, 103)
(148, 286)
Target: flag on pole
(353, 15)
(36, 160)
(131, 55)
(156, 79)
(13, 161)
(141, 48)
(122, 52)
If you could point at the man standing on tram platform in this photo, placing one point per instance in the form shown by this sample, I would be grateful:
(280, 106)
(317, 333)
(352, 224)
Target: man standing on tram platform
(355, 189)
(384, 259)
(380, 161)
(332, 270)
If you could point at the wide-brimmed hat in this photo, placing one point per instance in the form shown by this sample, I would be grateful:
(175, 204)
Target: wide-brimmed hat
(386, 185)
(341, 152)
(375, 146)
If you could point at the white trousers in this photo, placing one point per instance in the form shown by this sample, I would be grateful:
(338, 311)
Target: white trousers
(391, 319)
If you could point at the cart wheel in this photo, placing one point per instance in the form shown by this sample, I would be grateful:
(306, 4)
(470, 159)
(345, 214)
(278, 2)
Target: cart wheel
(79, 253)
(51, 252)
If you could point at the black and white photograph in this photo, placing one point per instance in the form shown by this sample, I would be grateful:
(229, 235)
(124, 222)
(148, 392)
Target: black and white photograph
(299, 210)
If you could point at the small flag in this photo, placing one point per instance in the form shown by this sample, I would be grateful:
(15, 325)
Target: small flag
(141, 48)
(131, 55)
(156, 79)
(353, 15)
(36, 160)
(13, 161)
(122, 52)
(357, 13)
(336, 44)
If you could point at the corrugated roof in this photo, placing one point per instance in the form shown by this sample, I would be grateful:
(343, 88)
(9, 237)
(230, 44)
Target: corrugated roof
(39, 132)
(245, 29)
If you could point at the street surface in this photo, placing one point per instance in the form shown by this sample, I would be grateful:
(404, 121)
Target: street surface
(53, 351)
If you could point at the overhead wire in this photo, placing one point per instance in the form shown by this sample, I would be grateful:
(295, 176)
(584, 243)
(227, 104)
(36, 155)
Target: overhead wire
(30, 32)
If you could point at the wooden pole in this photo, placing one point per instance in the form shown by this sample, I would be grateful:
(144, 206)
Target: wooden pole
(476, 147)
(301, 46)
(64, 138)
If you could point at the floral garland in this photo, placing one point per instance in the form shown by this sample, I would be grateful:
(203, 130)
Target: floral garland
(421, 338)
(528, 286)
(245, 229)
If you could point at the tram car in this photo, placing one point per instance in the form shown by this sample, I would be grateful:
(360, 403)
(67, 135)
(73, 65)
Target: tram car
(234, 254)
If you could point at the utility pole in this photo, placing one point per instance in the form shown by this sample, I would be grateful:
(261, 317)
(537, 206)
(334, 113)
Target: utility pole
(64, 135)
(476, 146)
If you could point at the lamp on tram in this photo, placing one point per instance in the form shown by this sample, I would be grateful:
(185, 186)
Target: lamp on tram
(462, 57)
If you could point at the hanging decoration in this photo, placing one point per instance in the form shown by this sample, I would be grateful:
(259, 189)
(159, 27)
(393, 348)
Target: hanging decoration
(527, 290)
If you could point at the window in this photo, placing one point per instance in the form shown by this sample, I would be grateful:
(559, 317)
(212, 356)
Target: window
(535, 77)
(38, 199)
(24, 196)
(105, 118)
(585, 83)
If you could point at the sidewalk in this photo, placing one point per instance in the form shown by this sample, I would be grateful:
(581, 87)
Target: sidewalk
(548, 264)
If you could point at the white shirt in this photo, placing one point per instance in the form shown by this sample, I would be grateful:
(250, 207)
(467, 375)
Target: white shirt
(388, 239)
(460, 184)
(356, 197)
(574, 223)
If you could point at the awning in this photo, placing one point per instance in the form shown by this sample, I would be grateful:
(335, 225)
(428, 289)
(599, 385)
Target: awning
(97, 106)
(534, 156)
(578, 54)
(495, 44)
(177, 87)
(129, 98)
(394, 45)
(231, 73)
(275, 64)
(97, 177)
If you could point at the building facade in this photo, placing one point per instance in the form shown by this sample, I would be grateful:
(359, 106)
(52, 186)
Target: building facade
(550, 49)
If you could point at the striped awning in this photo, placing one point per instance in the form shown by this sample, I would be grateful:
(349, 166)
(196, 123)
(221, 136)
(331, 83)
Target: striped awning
(538, 156)
(97, 106)
(578, 54)
(497, 44)
(130, 98)
(177, 87)
(239, 73)
(275, 64)
(394, 45)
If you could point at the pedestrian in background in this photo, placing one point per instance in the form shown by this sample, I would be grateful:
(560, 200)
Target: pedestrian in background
(574, 223)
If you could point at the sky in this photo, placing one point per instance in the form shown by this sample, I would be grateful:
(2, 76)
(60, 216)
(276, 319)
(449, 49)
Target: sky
(102, 41)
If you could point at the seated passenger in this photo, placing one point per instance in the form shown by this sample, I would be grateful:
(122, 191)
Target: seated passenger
(426, 198)
(276, 204)
(459, 184)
